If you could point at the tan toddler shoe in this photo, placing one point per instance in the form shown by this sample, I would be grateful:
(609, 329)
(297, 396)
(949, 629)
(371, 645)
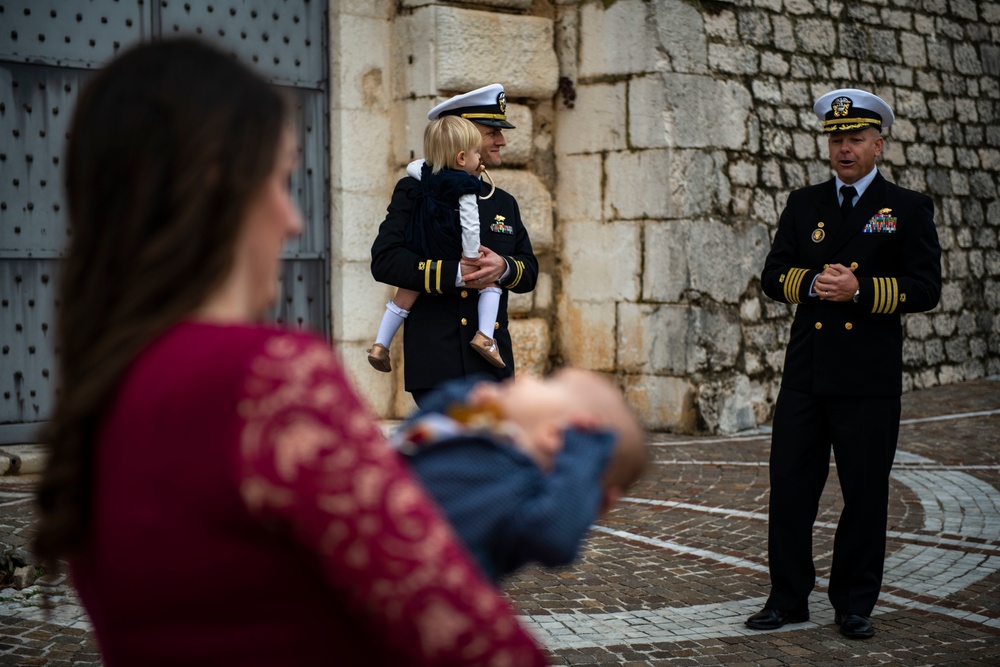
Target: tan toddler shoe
(488, 348)
(378, 357)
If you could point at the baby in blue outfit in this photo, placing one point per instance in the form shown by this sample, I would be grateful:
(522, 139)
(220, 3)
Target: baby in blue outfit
(524, 467)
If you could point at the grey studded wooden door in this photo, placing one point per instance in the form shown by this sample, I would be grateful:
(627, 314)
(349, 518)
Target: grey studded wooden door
(47, 50)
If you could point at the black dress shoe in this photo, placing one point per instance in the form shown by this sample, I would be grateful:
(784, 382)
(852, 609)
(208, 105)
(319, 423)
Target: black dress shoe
(772, 619)
(854, 626)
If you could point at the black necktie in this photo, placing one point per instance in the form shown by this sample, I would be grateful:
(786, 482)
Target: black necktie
(848, 192)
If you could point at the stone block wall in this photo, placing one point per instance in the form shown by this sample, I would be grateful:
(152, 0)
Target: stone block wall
(657, 142)
(680, 129)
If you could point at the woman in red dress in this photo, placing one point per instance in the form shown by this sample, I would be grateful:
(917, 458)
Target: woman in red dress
(222, 494)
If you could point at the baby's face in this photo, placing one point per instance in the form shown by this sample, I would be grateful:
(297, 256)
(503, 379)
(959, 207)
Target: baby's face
(531, 400)
(540, 408)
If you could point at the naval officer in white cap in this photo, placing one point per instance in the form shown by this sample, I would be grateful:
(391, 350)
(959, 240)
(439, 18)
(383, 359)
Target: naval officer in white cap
(436, 332)
(852, 254)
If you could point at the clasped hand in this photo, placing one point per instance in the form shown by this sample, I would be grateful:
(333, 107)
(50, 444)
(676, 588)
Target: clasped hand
(836, 283)
(485, 270)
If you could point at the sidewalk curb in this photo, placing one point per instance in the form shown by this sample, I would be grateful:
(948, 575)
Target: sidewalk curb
(22, 459)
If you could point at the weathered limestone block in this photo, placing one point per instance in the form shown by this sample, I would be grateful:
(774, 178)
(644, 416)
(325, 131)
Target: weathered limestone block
(767, 89)
(698, 182)
(534, 202)
(540, 298)
(375, 387)
(520, 140)
(743, 172)
(676, 340)
(586, 333)
(750, 309)
(354, 134)
(596, 122)
(578, 191)
(722, 25)
(435, 43)
(799, 6)
(378, 9)
(727, 406)
(544, 293)
(967, 59)
(918, 326)
(531, 340)
(914, 49)
(813, 36)
(661, 109)
(952, 300)
(409, 122)
(913, 351)
(506, 4)
(944, 324)
(665, 183)
(732, 59)
(601, 261)
(681, 32)
(755, 27)
(603, 31)
(702, 255)
(934, 351)
(663, 403)
(363, 80)
(360, 215)
(359, 304)
(784, 37)
(567, 31)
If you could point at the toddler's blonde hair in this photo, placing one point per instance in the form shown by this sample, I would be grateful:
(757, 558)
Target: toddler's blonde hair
(445, 137)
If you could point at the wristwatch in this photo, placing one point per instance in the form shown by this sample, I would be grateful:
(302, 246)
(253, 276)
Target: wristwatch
(857, 295)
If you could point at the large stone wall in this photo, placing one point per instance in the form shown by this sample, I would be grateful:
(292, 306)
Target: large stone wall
(657, 141)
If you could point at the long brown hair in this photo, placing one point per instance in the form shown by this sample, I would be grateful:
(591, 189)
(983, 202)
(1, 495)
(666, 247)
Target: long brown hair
(167, 146)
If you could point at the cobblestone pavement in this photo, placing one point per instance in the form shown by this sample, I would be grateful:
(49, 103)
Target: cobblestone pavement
(669, 576)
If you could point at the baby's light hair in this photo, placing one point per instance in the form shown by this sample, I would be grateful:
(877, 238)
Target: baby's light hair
(445, 137)
(600, 398)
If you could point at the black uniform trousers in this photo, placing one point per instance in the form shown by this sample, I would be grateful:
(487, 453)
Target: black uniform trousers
(863, 432)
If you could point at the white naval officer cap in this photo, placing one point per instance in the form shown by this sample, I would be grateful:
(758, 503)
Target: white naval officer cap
(851, 110)
(486, 106)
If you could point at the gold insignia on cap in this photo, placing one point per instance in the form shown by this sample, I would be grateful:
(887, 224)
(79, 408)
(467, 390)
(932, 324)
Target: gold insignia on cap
(502, 102)
(841, 106)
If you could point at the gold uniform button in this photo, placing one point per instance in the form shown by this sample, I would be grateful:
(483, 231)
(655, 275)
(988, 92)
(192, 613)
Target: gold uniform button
(819, 325)
(464, 321)
(848, 326)
(496, 325)
(854, 265)
(463, 294)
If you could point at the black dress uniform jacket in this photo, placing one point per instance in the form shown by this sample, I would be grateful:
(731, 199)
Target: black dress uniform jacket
(444, 318)
(838, 348)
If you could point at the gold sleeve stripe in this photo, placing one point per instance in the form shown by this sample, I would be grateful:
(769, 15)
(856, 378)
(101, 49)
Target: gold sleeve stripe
(518, 274)
(435, 266)
(427, 276)
(793, 283)
(886, 291)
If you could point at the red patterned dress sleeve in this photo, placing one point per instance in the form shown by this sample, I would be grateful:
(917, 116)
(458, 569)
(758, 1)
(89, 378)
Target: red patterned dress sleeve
(313, 458)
